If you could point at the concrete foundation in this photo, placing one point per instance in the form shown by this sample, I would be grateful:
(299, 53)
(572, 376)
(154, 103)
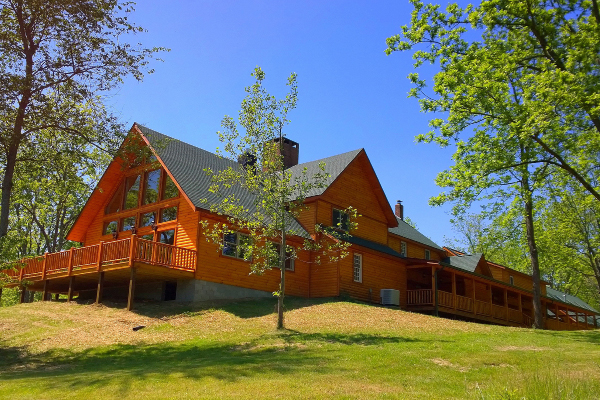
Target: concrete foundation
(197, 290)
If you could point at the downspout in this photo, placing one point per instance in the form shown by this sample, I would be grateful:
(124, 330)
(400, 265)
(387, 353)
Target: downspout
(435, 277)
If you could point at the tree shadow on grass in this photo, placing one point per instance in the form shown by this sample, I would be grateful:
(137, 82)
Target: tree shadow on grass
(287, 352)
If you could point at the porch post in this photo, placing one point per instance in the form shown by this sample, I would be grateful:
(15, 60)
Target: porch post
(576, 318)
(131, 290)
(71, 284)
(99, 260)
(56, 295)
(474, 298)
(44, 268)
(556, 312)
(506, 304)
(0, 295)
(45, 294)
(595, 321)
(22, 296)
(132, 249)
(71, 252)
(100, 288)
(454, 290)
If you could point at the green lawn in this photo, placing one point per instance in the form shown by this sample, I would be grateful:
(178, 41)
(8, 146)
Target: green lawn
(331, 349)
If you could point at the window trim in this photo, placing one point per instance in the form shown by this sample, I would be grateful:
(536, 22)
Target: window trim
(360, 267)
(427, 254)
(511, 280)
(405, 251)
(292, 267)
(237, 243)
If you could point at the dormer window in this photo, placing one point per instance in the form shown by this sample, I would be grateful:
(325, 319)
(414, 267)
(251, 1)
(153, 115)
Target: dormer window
(403, 248)
(340, 220)
(427, 254)
(511, 279)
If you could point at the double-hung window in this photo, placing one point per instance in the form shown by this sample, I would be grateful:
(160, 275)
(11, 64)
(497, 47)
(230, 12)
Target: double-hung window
(235, 245)
(403, 248)
(289, 258)
(357, 264)
(340, 220)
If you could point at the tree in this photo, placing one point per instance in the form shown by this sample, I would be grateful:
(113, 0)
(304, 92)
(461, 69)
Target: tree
(522, 75)
(261, 198)
(56, 57)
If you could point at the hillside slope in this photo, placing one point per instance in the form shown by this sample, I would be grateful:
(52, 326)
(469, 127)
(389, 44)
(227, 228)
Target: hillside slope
(329, 349)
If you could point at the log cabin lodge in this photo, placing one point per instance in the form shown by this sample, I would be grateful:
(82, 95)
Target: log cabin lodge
(141, 238)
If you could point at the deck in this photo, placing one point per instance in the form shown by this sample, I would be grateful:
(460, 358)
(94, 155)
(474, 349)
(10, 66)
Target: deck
(468, 307)
(107, 263)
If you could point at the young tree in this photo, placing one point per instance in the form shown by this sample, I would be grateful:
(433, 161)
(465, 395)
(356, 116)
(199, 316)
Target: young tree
(55, 58)
(259, 196)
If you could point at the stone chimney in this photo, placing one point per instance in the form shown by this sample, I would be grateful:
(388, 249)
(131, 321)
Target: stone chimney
(399, 210)
(289, 150)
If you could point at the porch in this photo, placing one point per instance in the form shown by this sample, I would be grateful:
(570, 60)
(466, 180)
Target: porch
(466, 296)
(107, 264)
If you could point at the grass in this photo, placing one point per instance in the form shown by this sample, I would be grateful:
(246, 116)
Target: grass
(330, 349)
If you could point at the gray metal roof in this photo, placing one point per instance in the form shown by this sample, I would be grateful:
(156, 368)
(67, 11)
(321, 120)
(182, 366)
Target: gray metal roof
(187, 164)
(405, 230)
(364, 243)
(568, 299)
(468, 262)
(334, 166)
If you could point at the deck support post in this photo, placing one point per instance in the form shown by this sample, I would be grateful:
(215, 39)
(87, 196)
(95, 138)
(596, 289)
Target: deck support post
(44, 266)
(521, 307)
(100, 288)
(23, 294)
(56, 295)
(0, 295)
(70, 292)
(131, 290)
(45, 293)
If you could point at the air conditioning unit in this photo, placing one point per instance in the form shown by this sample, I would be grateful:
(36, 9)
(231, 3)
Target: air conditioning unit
(390, 297)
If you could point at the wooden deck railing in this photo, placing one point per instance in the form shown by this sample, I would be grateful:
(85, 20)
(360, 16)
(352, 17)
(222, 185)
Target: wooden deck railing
(515, 316)
(419, 297)
(483, 308)
(105, 253)
(498, 312)
(445, 299)
(464, 303)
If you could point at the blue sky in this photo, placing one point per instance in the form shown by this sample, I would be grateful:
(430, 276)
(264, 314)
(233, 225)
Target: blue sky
(351, 95)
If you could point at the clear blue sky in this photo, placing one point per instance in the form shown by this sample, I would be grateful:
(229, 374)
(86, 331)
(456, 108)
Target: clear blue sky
(351, 95)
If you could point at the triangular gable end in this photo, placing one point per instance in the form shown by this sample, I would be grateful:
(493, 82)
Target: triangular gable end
(107, 185)
(367, 169)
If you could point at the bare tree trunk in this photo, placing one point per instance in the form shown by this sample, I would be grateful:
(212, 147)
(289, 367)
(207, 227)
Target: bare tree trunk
(282, 255)
(533, 255)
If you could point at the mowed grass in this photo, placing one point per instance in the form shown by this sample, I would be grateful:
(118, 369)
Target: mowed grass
(330, 349)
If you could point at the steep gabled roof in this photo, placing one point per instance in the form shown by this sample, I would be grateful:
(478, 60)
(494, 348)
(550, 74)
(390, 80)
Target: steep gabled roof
(405, 230)
(187, 164)
(334, 166)
(467, 262)
(568, 299)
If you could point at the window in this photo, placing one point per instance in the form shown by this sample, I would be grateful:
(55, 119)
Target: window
(151, 183)
(234, 245)
(148, 219)
(168, 214)
(127, 223)
(169, 190)
(110, 227)
(340, 220)
(116, 202)
(167, 237)
(132, 191)
(289, 258)
(357, 262)
(511, 280)
(403, 248)
(427, 254)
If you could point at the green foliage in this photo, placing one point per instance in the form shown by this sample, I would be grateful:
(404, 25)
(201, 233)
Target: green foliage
(263, 199)
(56, 60)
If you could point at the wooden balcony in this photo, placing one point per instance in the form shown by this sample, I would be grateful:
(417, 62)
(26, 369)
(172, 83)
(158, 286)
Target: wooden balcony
(123, 259)
(487, 311)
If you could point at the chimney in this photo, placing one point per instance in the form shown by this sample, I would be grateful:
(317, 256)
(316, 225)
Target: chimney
(399, 210)
(288, 149)
(247, 160)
